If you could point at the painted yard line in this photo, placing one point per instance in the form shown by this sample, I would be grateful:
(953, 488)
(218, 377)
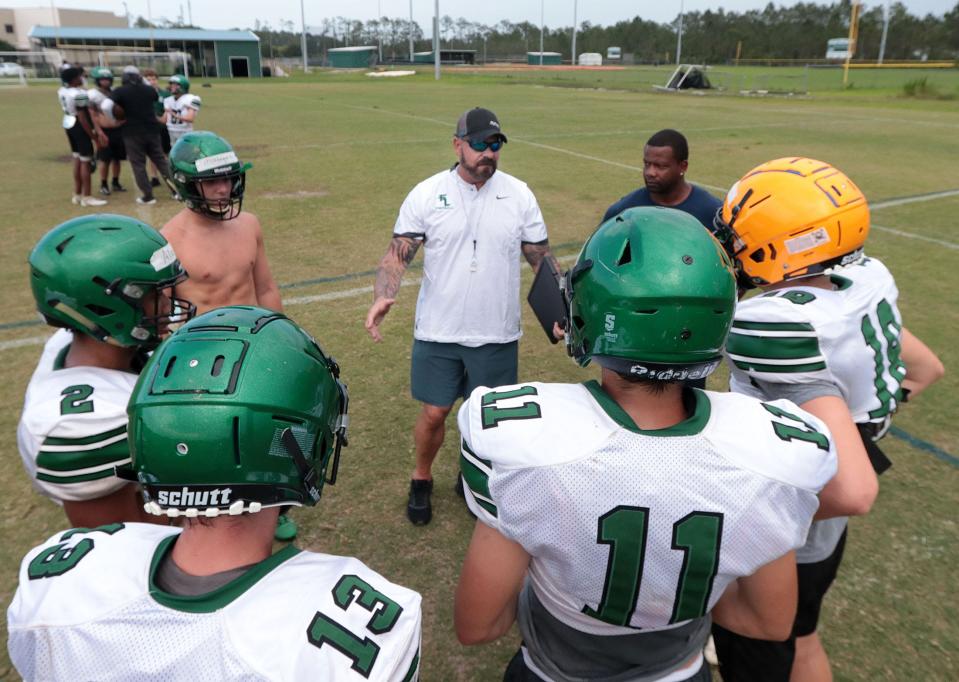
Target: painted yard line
(901, 201)
(913, 235)
(18, 343)
(920, 444)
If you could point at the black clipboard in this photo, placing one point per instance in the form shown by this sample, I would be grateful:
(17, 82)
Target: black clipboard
(546, 298)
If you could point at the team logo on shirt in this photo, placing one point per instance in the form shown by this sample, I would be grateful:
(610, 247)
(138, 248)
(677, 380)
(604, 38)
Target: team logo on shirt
(443, 202)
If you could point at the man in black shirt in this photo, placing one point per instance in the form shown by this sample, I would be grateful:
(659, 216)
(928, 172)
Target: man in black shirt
(665, 159)
(134, 102)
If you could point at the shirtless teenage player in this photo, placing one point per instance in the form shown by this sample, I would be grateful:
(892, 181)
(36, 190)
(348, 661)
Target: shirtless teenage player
(217, 243)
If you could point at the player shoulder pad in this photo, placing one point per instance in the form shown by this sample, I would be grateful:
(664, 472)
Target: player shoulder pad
(534, 424)
(776, 439)
(774, 337)
(193, 101)
(78, 574)
(327, 603)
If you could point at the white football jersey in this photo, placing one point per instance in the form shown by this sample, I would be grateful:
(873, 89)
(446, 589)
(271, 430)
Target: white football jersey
(88, 608)
(848, 336)
(72, 99)
(640, 529)
(73, 430)
(100, 102)
(175, 107)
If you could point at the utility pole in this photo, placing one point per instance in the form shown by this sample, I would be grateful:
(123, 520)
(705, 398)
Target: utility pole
(436, 40)
(411, 31)
(379, 29)
(126, 12)
(189, 11)
(679, 34)
(306, 66)
(150, 19)
(573, 60)
(885, 30)
(542, 23)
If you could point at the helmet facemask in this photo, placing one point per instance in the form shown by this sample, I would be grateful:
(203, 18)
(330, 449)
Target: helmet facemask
(217, 209)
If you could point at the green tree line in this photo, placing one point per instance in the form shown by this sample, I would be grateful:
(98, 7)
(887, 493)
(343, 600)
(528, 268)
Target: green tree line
(711, 36)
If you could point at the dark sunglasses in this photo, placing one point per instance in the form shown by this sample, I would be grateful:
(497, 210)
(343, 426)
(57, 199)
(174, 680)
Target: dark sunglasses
(482, 145)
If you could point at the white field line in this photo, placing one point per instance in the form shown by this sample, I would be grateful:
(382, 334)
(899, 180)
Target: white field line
(296, 300)
(916, 199)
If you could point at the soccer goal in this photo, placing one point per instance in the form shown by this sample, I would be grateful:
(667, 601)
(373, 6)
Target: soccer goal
(17, 69)
(164, 63)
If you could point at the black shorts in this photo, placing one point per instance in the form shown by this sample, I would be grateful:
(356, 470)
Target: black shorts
(80, 143)
(114, 151)
(742, 659)
(165, 139)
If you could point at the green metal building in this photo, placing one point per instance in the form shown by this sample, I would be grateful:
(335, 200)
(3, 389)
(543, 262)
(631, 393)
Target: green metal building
(549, 58)
(356, 57)
(223, 54)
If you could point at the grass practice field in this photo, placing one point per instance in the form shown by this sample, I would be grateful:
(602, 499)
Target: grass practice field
(335, 154)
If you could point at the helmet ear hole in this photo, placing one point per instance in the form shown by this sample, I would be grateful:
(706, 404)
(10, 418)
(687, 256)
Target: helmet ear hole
(758, 256)
(100, 310)
(626, 256)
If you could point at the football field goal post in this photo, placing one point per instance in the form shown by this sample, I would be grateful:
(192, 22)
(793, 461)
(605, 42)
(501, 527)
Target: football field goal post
(164, 63)
(17, 69)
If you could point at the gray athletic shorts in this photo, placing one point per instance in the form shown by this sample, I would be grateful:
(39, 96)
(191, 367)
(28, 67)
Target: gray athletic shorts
(442, 372)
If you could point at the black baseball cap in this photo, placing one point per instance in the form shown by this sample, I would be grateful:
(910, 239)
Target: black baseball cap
(478, 124)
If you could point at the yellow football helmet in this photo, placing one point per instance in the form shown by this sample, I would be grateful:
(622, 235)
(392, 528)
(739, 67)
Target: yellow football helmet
(792, 217)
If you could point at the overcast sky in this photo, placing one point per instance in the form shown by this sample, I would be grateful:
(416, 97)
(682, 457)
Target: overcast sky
(243, 13)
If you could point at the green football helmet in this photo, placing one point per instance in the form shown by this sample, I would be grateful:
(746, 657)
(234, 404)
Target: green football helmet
(203, 155)
(239, 410)
(651, 296)
(181, 81)
(98, 73)
(105, 275)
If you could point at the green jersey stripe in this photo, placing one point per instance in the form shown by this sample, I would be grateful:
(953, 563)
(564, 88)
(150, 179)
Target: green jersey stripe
(86, 440)
(74, 462)
(774, 348)
(475, 477)
(414, 666)
(773, 326)
(485, 462)
(106, 473)
(747, 364)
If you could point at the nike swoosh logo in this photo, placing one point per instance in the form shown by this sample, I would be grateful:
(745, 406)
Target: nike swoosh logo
(503, 197)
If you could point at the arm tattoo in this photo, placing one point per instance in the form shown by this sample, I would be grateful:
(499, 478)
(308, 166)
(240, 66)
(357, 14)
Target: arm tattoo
(393, 265)
(535, 253)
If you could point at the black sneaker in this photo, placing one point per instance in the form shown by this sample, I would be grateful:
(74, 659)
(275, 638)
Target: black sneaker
(154, 182)
(419, 510)
(104, 190)
(117, 187)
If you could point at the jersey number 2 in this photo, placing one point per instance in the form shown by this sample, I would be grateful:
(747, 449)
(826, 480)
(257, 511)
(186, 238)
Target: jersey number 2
(76, 399)
(697, 535)
(362, 651)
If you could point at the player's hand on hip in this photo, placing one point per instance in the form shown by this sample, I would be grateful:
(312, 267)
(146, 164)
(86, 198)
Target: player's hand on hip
(377, 312)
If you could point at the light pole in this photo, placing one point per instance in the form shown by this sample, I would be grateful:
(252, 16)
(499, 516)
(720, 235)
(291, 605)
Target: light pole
(679, 34)
(436, 40)
(379, 29)
(885, 30)
(411, 31)
(542, 23)
(573, 60)
(306, 66)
